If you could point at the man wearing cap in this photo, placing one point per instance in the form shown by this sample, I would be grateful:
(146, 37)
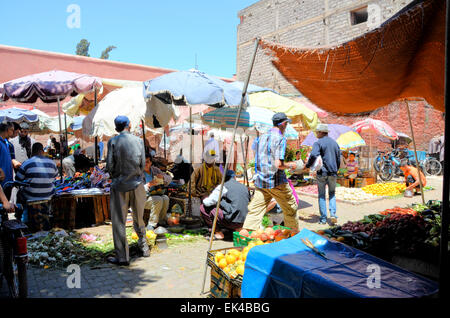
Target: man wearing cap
(22, 143)
(270, 178)
(125, 164)
(206, 177)
(330, 153)
(233, 206)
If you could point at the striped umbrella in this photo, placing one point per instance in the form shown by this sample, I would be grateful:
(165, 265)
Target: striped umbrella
(374, 126)
(251, 117)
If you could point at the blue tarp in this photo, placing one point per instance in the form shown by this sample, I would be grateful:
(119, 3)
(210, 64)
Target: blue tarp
(289, 269)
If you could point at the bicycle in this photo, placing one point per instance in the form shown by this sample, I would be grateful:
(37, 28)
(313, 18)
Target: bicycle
(13, 249)
(430, 165)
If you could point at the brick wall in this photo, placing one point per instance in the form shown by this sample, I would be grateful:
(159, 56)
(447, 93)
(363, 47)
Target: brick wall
(302, 23)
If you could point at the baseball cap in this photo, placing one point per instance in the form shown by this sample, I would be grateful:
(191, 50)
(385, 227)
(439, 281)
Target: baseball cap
(121, 122)
(280, 118)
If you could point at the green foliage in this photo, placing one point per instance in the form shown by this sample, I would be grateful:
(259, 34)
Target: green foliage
(290, 154)
(83, 48)
(105, 53)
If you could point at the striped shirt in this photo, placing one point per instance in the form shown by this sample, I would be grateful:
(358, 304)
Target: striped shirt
(269, 147)
(40, 172)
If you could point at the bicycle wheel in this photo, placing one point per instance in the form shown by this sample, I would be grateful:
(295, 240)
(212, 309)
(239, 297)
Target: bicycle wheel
(432, 167)
(377, 164)
(10, 273)
(386, 171)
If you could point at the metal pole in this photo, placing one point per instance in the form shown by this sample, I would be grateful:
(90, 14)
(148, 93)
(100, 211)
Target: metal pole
(189, 211)
(415, 153)
(244, 92)
(244, 155)
(143, 132)
(96, 138)
(66, 146)
(443, 258)
(60, 138)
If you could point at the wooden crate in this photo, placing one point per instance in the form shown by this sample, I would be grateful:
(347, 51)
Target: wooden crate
(222, 286)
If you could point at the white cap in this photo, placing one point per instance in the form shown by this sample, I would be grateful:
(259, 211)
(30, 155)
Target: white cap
(322, 128)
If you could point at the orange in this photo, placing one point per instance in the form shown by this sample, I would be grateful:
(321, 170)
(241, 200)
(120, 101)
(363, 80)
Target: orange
(230, 259)
(219, 256)
(240, 269)
(246, 249)
(244, 256)
(223, 263)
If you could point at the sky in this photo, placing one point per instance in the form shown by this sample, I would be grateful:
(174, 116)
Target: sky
(172, 34)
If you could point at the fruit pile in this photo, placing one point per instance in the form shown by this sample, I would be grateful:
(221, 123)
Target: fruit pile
(150, 235)
(353, 194)
(268, 235)
(384, 189)
(233, 262)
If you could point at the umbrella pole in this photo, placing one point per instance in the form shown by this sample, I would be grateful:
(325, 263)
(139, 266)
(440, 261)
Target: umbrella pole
(443, 259)
(244, 92)
(60, 137)
(415, 152)
(164, 136)
(67, 139)
(190, 160)
(96, 138)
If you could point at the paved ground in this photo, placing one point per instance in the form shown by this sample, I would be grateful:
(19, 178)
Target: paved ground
(178, 271)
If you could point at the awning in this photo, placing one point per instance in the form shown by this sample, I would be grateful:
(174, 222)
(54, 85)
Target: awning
(402, 59)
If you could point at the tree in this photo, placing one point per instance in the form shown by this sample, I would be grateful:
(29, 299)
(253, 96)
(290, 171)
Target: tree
(83, 48)
(105, 53)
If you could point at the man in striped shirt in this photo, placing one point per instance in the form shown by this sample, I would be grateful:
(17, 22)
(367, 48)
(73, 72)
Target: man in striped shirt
(40, 172)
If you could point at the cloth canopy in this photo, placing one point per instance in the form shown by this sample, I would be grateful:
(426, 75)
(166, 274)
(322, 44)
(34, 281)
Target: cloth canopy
(49, 124)
(84, 103)
(127, 101)
(277, 103)
(403, 58)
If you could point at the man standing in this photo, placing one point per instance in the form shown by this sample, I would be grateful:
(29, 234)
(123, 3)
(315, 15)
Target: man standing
(40, 172)
(5, 157)
(270, 179)
(212, 144)
(23, 143)
(125, 164)
(330, 153)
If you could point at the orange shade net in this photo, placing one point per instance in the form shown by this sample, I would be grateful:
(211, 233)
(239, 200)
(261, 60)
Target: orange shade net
(402, 59)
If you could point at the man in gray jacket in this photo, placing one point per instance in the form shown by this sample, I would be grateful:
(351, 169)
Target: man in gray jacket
(125, 164)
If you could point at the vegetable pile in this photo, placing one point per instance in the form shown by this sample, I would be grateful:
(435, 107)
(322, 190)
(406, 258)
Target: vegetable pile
(412, 232)
(384, 189)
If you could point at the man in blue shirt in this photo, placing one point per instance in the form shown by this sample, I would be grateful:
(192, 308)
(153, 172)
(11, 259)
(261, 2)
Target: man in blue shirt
(5, 157)
(329, 150)
(270, 179)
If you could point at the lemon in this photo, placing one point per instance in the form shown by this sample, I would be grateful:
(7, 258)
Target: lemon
(223, 263)
(240, 269)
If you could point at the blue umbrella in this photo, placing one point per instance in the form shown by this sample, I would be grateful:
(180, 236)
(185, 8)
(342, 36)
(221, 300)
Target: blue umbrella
(18, 115)
(192, 88)
(334, 131)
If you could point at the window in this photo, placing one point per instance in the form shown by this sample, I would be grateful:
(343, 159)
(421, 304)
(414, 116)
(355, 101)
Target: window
(358, 16)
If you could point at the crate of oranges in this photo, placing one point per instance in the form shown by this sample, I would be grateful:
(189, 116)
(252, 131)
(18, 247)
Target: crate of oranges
(227, 269)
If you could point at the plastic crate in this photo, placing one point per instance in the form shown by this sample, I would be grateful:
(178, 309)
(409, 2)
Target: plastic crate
(222, 285)
(241, 241)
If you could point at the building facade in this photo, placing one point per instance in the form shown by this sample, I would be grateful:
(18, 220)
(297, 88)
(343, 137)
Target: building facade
(303, 23)
(322, 23)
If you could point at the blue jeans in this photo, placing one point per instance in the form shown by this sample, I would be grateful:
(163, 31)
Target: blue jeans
(322, 181)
